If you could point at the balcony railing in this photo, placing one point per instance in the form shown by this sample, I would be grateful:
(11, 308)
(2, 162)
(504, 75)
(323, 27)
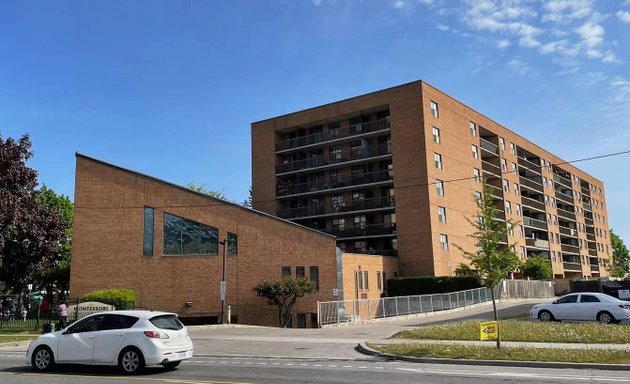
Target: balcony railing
(594, 268)
(572, 267)
(562, 180)
(592, 252)
(587, 206)
(585, 190)
(533, 203)
(362, 231)
(350, 206)
(531, 184)
(490, 169)
(353, 130)
(590, 236)
(530, 222)
(345, 155)
(568, 231)
(287, 189)
(570, 248)
(528, 164)
(588, 221)
(537, 243)
(564, 197)
(488, 146)
(566, 214)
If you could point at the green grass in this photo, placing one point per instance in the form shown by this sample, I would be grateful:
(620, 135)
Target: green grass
(530, 331)
(8, 339)
(518, 354)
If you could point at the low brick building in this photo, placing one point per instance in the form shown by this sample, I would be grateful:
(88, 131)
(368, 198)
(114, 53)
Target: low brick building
(163, 241)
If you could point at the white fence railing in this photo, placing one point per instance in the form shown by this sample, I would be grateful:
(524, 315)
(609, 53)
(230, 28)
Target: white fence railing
(348, 311)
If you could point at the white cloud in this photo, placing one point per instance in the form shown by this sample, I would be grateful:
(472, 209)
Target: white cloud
(564, 11)
(426, 2)
(519, 66)
(443, 27)
(503, 44)
(317, 3)
(624, 16)
(592, 34)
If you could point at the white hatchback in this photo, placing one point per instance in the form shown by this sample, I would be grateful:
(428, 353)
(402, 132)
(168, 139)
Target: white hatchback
(129, 339)
(583, 306)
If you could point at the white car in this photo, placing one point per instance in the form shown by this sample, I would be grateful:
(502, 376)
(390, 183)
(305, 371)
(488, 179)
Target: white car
(129, 339)
(587, 306)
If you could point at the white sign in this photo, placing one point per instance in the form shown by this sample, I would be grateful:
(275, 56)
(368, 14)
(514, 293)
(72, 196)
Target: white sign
(335, 292)
(88, 308)
(624, 294)
(223, 288)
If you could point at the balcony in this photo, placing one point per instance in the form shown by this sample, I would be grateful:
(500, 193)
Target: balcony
(564, 197)
(534, 223)
(490, 169)
(572, 267)
(344, 156)
(588, 221)
(587, 206)
(377, 203)
(535, 204)
(363, 231)
(592, 252)
(568, 231)
(585, 191)
(590, 236)
(562, 180)
(287, 189)
(566, 214)
(570, 249)
(594, 268)
(341, 133)
(537, 243)
(529, 165)
(531, 184)
(489, 147)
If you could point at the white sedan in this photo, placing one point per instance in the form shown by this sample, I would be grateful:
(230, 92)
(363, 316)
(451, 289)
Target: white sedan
(129, 339)
(587, 306)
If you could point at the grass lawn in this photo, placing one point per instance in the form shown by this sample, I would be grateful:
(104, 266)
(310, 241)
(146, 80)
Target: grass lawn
(518, 354)
(7, 339)
(532, 331)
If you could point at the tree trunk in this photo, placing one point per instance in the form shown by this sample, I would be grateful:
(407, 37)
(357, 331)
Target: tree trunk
(496, 318)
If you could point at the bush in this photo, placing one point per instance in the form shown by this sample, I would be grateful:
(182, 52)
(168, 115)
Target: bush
(120, 298)
(537, 268)
(424, 285)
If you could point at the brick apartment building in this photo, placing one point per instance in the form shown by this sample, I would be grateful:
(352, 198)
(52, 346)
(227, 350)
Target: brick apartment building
(164, 242)
(396, 173)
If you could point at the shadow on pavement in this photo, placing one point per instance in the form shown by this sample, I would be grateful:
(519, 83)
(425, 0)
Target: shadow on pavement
(86, 370)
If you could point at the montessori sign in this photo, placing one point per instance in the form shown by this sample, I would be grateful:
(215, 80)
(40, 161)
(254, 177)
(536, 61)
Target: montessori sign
(89, 307)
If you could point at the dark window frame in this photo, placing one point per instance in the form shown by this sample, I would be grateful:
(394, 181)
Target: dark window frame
(149, 231)
(199, 230)
(232, 239)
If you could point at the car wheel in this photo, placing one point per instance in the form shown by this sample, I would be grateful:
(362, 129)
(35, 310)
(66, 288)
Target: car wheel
(131, 361)
(42, 359)
(605, 318)
(545, 316)
(171, 365)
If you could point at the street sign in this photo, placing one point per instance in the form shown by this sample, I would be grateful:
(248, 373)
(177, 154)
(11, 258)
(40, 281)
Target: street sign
(488, 331)
(38, 297)
(222, 289)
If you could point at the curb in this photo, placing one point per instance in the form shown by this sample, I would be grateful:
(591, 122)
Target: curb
(363, 348)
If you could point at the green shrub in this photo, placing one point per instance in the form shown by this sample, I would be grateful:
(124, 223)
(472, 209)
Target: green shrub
(424, 285)
(120, 298)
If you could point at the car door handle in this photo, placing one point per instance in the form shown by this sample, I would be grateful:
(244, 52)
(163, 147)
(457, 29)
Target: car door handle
(89, 337)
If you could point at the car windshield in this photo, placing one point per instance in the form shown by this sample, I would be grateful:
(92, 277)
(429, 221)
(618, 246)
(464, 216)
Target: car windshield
(167, 322)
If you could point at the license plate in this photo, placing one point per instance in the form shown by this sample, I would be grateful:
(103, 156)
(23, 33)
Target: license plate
(183, 355)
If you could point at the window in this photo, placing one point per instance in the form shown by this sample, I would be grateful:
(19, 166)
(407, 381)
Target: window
(518, 209)
(117, 322)
(186, 237)
(504, 165)
(314, 273)
(443, 242)
(359, 276)
(300, 272)
(334, 129)
(379, 282)
(506, 186)
(545, 182)
(477, 175)
(478, 197)
(384, 281)
(473, 129)
(512, 149)
(366, 282)
(359, 221)
(434, 109)
(502, 143)
(516, 190)
(514, 169)
(336, 202)
(508, 207)
(439, 187)
(520, 231)
(588, 299)
(147, 246)
(438, 161)
(510, 228)
(338, 223)
(475, 153)
(523, 255)
(442, 215)
(232, 240)
(286, 271)
(436, 135)
(335, 153)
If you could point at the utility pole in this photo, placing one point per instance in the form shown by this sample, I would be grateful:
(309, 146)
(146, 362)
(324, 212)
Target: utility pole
(223, 285)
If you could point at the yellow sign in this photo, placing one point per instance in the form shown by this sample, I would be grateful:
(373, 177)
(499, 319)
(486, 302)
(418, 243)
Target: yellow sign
(488, 331)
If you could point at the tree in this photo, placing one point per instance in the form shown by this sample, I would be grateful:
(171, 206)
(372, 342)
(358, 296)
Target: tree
(284, 293)
(492, 259)
(31, 234)
(621, 257)
(203, 190)
(465, 270)
(58, 273)
(537, 268)
(248, 203)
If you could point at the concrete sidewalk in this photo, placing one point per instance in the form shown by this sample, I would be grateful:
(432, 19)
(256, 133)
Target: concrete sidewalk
(506, 344)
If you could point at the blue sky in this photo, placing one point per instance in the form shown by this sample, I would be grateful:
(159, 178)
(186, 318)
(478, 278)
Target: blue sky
(169, 88)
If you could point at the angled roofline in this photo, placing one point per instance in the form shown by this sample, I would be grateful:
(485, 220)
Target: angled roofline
(184, 189)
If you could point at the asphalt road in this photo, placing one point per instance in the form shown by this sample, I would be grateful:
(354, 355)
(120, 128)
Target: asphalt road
(232, 370)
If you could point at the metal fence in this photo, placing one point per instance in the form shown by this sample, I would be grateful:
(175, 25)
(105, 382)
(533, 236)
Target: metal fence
(348, 311)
